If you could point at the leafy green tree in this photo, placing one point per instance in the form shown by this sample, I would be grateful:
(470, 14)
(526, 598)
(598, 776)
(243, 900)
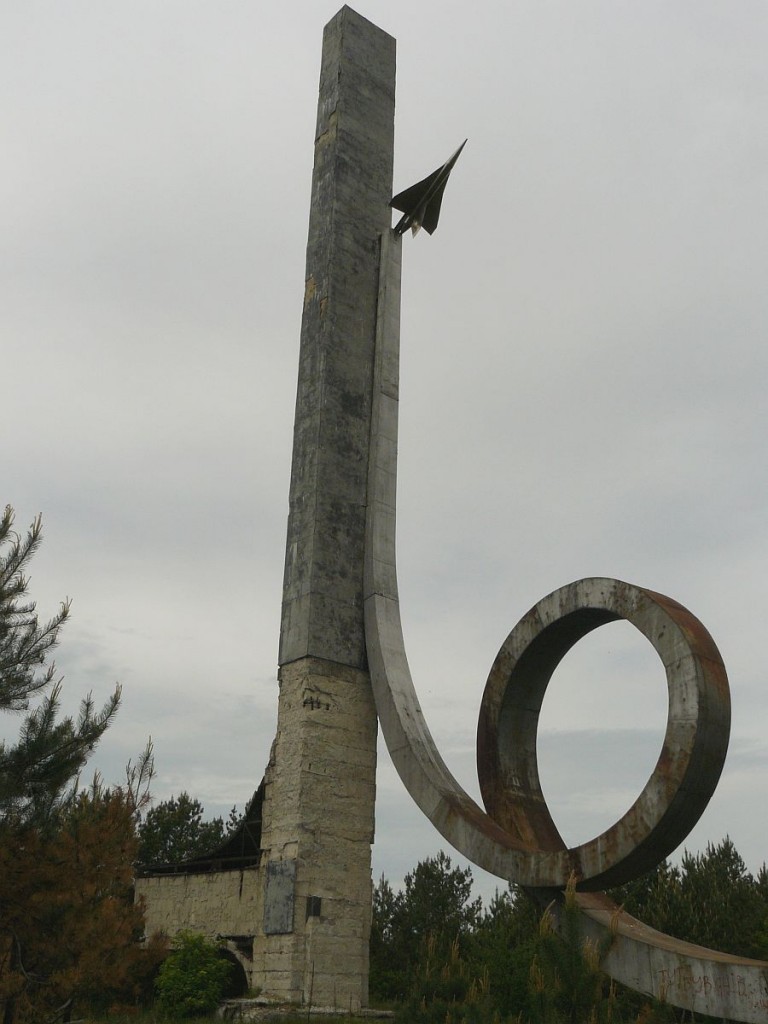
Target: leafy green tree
(174, 831)
(38, 770)
(192, 980)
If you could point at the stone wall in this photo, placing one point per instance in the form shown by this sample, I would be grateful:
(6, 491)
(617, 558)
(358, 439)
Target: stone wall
(214, 903)
(318, 822)
(307, 906)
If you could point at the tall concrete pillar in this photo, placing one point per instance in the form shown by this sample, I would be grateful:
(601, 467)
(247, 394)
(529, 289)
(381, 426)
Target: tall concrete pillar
(320, 784)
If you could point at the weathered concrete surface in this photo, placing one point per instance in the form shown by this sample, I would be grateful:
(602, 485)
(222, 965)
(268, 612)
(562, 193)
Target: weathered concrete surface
(214, 902)
(319, 803)
(318, 820)
(351, 187)
(517, 838)
(692, 977)
(692, 754)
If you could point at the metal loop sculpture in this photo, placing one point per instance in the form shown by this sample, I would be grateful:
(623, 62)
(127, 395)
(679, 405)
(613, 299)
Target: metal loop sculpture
(688, 767)
(515, 837)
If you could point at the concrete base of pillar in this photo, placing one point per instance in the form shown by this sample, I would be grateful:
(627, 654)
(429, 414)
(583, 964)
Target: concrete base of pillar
(312, 947)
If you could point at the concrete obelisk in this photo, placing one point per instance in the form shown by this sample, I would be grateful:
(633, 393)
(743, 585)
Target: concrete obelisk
(320, 784)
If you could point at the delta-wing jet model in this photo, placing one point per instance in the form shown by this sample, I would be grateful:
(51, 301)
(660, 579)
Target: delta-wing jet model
(420, 204)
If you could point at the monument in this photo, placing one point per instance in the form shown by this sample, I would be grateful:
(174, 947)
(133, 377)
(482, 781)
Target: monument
(319, 808)
(289, 896)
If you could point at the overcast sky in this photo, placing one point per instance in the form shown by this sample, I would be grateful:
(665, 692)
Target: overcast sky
(584, 367)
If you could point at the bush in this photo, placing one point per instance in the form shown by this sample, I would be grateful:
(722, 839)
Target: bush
(445, 991)
(192, 979)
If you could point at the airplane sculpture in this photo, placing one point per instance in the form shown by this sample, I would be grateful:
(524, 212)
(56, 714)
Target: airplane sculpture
(420, 204)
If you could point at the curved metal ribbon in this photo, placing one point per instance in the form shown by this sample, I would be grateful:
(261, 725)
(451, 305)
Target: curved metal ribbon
(515, 837)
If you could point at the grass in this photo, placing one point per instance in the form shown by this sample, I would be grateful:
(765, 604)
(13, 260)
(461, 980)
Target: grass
(152, 1017)
(146, 1017)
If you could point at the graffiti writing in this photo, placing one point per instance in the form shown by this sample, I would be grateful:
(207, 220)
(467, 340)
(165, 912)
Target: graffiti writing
(731, 986)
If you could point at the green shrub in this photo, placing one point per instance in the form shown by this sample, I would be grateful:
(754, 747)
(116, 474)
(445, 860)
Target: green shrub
(192, 979)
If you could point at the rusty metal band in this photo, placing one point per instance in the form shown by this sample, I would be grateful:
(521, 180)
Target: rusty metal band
(692, 754)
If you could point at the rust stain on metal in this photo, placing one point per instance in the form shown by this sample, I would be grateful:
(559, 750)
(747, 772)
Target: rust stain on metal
(689, 763)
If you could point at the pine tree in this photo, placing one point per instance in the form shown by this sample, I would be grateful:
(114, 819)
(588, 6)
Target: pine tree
(435, 904)
(567, 985)
(720, 905)
(173, 831)
(385, 976)
(37, 772)
(70, 926)
(710, 899)
(503, 946)
(68, 923)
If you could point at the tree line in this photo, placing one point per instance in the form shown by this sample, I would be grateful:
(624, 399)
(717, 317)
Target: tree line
(441, 956)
